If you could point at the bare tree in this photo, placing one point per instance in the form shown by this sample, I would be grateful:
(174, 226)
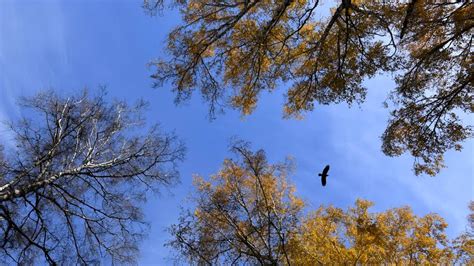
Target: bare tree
(71, 190)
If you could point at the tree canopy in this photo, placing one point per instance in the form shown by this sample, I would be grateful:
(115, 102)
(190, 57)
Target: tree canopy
(74, 177)
(248, 213)
(233, 50)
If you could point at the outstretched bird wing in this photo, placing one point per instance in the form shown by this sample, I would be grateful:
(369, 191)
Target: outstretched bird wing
(326, 170)
(324, 174)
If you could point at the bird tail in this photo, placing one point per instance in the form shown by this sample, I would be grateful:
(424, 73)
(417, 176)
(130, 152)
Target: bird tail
(320, 174)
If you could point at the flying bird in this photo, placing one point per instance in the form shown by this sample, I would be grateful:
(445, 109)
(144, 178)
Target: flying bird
(324, 175)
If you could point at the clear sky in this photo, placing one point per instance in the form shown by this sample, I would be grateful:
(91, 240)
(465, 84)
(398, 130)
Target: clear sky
(69, 45)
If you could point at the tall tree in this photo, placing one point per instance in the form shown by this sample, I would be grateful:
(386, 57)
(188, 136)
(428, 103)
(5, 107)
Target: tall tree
(73, 179)
(248, 213)
(233, 50)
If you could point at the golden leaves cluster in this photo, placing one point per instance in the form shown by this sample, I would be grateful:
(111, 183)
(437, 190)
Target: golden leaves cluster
(234, 50)
(249, 213)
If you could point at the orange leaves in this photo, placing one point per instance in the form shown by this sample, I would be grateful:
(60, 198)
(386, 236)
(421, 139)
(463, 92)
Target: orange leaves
(247, 210)
(234, 50)
(357, 236)
(249, 213)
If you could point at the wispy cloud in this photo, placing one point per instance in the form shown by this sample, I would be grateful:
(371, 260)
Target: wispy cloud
(33, 39)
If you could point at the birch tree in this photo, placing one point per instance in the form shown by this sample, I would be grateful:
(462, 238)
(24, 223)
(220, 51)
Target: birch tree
(73, 179)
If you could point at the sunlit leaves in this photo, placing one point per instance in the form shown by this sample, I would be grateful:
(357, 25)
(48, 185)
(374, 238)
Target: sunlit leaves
(248, 213)
(233, 50)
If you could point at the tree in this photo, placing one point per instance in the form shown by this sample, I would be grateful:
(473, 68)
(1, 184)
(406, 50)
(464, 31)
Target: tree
(74, 177)
(233, 50)
(464, 244)
(248, 213)
(355, 236)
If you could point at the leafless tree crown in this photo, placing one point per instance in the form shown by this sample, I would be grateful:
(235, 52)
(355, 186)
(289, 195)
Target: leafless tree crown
(70, 192)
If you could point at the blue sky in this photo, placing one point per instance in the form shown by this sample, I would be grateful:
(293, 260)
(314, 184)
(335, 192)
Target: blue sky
(69, 45)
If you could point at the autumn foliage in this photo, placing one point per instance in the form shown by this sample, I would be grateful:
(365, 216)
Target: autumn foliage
(233, 50)
(248, 213)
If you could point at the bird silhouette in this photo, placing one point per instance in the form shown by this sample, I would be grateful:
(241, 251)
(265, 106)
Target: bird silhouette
(324, 175)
